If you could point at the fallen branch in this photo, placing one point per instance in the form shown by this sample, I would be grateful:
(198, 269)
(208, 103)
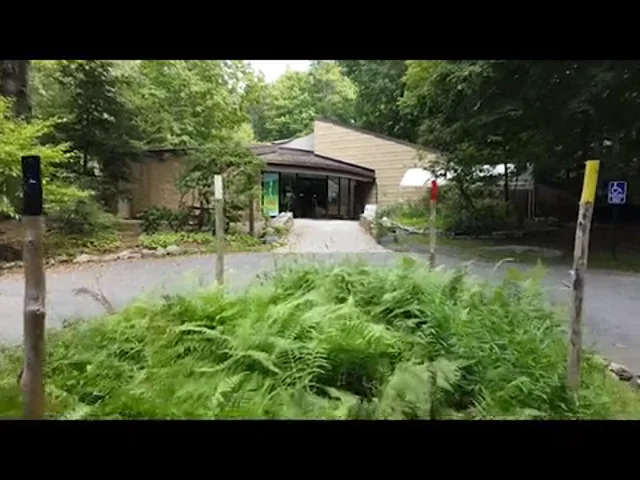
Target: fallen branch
(97, 296)
(504, 260)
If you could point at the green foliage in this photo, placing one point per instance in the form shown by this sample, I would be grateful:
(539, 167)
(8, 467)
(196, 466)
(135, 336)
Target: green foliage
(72, 211)
(189, 102)
(325, 342)
(18, 138)
(409, 214)
(243, 242)
(379, 90)
(164, 239)
(485, 215)
(58, 244)
(233, 242)
(239, 168)
(552, 115)
(98, 121)
(287, 107)
(156, 219)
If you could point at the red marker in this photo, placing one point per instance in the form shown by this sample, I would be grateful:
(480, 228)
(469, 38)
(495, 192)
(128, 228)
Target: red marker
(434, 190)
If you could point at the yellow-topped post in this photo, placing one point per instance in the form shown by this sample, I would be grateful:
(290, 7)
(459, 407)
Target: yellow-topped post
(580, 254)
(590, 182)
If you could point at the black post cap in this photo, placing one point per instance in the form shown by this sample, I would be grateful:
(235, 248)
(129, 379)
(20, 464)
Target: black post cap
(31, 185)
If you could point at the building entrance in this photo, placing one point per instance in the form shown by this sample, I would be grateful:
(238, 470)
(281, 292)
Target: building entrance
(312, 197)
(309, 195)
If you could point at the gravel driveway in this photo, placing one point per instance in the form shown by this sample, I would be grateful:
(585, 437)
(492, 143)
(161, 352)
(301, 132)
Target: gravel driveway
(329, 236)
(611, 318)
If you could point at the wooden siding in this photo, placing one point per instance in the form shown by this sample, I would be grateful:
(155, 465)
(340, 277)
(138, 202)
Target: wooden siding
(389, 159)
(153, 184)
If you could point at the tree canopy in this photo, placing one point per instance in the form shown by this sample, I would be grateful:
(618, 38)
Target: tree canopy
(553, 115)
(289, 105)
(550, 114)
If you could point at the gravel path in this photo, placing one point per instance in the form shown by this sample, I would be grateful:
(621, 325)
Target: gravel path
(611, 311)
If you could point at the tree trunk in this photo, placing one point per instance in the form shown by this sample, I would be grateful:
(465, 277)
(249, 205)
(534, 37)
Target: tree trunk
(506, 191)
(465, 196)
(14, 84)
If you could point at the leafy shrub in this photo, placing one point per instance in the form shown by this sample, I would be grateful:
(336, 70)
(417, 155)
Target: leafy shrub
(72, 245)
(72, 211)
(241, 241)
(178, 220)
(326, 342)
(409, 214)
(155, 219)
(458, 217)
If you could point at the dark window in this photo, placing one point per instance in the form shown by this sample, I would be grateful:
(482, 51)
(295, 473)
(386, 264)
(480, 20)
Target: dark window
(344, 198)
(333, 199)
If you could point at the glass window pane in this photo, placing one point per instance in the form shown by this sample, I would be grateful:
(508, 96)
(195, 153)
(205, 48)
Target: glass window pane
(344, 198)
(333, 200)
(287, 192)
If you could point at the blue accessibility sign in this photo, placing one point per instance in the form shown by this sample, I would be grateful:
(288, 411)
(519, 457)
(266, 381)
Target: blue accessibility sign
(617, 193)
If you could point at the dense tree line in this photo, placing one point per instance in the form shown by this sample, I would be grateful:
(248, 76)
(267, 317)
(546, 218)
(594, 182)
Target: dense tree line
(98, 116)
(550, 114)
(553, 115)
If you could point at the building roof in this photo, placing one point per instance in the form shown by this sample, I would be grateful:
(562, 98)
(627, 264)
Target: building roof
(292, 157)
(306, 143)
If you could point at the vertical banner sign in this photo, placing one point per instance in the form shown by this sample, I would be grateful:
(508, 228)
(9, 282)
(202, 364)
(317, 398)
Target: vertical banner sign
(217, 187)
(270, 194)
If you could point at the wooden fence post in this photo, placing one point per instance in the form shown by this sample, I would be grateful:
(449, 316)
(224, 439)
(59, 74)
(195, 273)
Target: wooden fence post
(432, 224)
(252, 216)
(32, 380)
(219, 198)
(580, 253)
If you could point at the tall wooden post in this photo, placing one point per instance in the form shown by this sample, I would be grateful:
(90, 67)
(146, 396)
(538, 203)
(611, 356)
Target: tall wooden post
(252, 216)
(580, 253)
(32, 381)
(432, 224)
(219, 198)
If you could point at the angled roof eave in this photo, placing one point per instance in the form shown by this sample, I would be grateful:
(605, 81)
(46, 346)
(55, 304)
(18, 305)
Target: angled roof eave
(292, 157)
(333, 159)
(306, 143)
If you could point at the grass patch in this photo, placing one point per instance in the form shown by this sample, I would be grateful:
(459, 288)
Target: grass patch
(123, 235)
(326, 342)
(126, 234)
(164, 239)
(600, 256)
(237, 242)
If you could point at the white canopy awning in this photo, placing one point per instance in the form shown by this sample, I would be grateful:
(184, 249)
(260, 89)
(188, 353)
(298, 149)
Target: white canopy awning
(419, 177)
